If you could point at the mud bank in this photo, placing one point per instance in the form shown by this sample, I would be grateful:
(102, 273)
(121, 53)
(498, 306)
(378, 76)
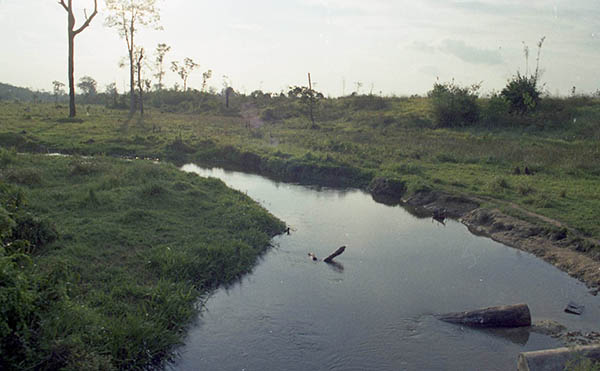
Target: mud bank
(554, 245)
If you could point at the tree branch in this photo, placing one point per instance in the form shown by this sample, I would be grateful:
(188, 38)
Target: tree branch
(62, 2)
(88, 20)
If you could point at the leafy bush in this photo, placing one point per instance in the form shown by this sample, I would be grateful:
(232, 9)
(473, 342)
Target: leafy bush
(454, 106)
(522, 94)
(18, 307)
(495, 111)
(24, 176)
(37, 232)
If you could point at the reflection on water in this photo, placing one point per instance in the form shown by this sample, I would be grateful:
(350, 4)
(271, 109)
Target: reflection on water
(373, 309)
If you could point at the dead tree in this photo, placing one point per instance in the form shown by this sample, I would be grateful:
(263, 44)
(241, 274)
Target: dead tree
(72, 32)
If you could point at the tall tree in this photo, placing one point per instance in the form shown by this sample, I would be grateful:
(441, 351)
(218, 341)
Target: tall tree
(72, 32)
(161, 51)
(89, 87)
(205, 77)
(184, 69)
(58, 90)
(141, 82)
(127, 16)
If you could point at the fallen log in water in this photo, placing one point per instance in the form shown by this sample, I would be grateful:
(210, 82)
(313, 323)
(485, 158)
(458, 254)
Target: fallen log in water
(557, 359)
(337, 252)
(517, 315)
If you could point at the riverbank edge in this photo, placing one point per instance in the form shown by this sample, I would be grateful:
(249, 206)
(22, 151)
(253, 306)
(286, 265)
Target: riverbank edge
(554, 245)
(547, 239)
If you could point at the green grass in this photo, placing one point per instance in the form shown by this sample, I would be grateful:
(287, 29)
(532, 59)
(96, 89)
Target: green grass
(357, 139)
(139, 244)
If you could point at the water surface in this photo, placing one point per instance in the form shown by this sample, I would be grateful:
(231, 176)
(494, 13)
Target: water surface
(372, 311)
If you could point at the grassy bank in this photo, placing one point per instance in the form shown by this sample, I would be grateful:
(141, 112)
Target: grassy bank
(102, 261)
(356, 140)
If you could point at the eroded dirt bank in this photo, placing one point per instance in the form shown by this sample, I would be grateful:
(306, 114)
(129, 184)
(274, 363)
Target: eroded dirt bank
(555, 245)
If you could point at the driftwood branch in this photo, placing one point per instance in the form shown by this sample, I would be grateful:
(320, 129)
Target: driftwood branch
(337, 252)
(517, 315)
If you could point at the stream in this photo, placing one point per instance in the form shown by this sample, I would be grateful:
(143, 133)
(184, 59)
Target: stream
(374, 309)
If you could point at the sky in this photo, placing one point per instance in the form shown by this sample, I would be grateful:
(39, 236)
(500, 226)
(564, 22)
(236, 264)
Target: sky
(390, 47)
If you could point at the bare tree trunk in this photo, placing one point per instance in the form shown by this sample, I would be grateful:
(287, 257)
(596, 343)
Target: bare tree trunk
(310, 102)
(72, 111)
(139, 80)
(131, 84)
(131, 70)
(71, 38)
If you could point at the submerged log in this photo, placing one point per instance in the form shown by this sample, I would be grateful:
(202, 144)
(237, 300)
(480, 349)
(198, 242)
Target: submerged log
(557, 359)
(517, 315)
(337, 252)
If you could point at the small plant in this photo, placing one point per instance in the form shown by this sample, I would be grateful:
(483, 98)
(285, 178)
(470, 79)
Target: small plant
(498, 185)
(24, 176)
(522, 92)
(525, 189)
(582, 364)
(308, 97)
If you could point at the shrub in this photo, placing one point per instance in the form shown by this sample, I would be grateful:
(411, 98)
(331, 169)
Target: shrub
(83, 167)
(495, 112)
(38, 232)
(7, 156)
(522, 94)
(454, 106)
(18, 302)
(29, 177)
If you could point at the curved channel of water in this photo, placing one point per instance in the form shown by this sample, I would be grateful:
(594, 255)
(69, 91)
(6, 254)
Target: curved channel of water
(372, 311)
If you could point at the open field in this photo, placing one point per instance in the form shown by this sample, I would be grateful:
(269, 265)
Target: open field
(355, 142)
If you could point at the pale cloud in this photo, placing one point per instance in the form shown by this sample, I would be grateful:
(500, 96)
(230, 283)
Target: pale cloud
(430, 70)
(471, 54)
(246, 27)
(423, 47)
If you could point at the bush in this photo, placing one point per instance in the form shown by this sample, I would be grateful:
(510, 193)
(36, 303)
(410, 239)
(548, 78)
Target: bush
(37, 232)
(24, 176)
(522, 94)
(496, 110)
(18, 302)
(454, 106)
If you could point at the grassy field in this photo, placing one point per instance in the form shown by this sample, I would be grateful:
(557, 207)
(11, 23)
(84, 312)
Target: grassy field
(103, 261)
(356, 140)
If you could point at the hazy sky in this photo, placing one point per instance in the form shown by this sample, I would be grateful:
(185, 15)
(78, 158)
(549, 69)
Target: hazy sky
(392, 46)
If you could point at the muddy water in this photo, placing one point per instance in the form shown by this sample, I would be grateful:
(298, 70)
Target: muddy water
(374, 310)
